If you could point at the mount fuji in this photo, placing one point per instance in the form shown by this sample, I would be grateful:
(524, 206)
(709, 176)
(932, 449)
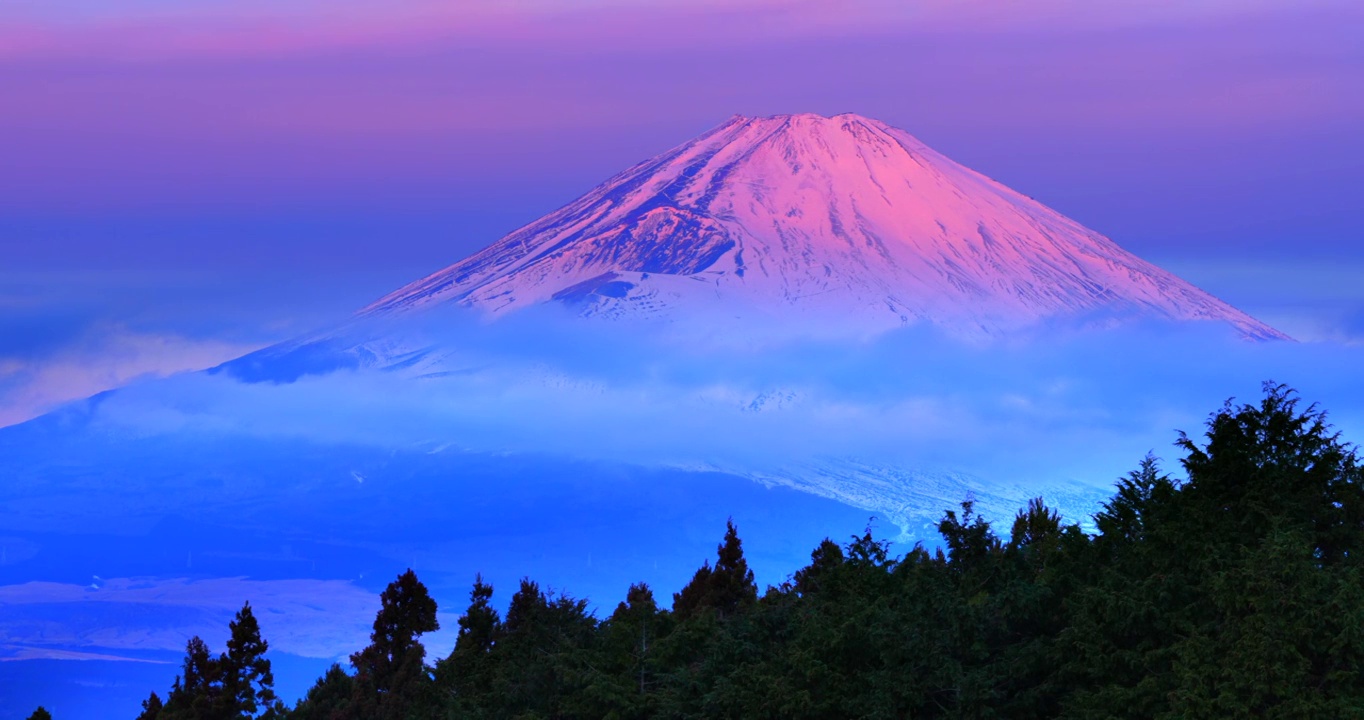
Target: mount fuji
(594, 453)
(825, 222)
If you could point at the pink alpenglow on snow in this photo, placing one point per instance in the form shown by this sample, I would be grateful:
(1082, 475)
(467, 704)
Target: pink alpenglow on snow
(842, 222)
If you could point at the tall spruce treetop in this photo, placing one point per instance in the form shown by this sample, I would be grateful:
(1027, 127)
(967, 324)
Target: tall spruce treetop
(406, 613)
(390, 675)
(724, 588)
(151, 707)
(466, 673)
(248, 683)
(478, 624)
(1125, 517)
(194, 692)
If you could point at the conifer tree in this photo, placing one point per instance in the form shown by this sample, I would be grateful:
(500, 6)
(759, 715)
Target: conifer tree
(465, 677)
(151, 708)
(390, 674)
(247, 682)
(194, 692)
(40, 714)
(970, 540)
(330, 698)
(637, 619)
(541, 649)
(824, 560)
(725, 588)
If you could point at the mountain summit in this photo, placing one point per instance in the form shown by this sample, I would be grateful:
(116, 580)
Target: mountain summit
(841, 220)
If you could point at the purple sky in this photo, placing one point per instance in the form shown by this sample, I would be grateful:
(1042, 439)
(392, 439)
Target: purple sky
(187, 181)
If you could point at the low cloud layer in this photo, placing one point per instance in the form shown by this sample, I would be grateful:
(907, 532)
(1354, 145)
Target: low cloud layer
(106, 357)
(1066, 404)
(107, 619)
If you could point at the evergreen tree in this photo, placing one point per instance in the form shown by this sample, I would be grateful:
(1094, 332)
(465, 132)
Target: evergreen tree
(970, 540)
(541, 653)
(151, 708)
(624, 665)
(1036, 526)
(391, 677)
(247, 682)
(824, 560)
(465, 678)
(194, 693)
(723, 589)
(330, 698)
(40, 714)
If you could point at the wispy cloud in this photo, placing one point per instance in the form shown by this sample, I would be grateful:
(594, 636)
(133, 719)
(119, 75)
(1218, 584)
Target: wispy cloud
(103, 357)
(1063, 409)
(10, 653)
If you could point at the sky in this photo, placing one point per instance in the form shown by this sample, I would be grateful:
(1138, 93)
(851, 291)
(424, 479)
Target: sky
(185, 182)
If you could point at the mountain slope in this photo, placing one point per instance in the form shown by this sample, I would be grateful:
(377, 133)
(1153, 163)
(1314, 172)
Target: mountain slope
(842, 220)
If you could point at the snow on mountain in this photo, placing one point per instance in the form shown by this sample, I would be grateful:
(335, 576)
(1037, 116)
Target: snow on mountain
(842, 221)
(914, 499)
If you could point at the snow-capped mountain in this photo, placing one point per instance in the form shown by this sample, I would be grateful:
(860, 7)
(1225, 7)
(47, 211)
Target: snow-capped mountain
(841, 221)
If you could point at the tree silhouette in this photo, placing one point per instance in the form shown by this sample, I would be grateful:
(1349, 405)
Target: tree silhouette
(723, 589)
(247, 682)
(465, 677)
(194, 692)
(390, 674)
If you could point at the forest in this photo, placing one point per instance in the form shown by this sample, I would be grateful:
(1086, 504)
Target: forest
(1234, 591)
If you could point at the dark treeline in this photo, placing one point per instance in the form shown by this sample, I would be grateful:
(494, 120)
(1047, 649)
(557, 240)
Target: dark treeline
(1236, 592)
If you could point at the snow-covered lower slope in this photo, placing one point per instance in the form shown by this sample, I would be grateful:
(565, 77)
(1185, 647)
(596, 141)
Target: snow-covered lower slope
(828, 222)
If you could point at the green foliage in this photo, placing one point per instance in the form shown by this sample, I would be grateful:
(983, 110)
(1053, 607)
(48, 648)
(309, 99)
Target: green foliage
(247, 682)
(465, 678)
(725, 589)
(328, 699)
(1237, 592)
(195, 691)
(151, 708)
(391, 678)
(236, 685)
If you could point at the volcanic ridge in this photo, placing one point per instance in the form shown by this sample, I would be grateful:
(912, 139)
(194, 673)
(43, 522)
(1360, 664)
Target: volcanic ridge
(839, 220)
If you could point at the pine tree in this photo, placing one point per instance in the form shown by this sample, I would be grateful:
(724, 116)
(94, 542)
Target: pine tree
(464, 679)
(970, 540)
(40, 714)
(637, 619)
(330, 698)
(824, 560)
(391, 677)
(247, 682)
(151, 708)
(541, 652)
(723, 589)
(194, 693)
